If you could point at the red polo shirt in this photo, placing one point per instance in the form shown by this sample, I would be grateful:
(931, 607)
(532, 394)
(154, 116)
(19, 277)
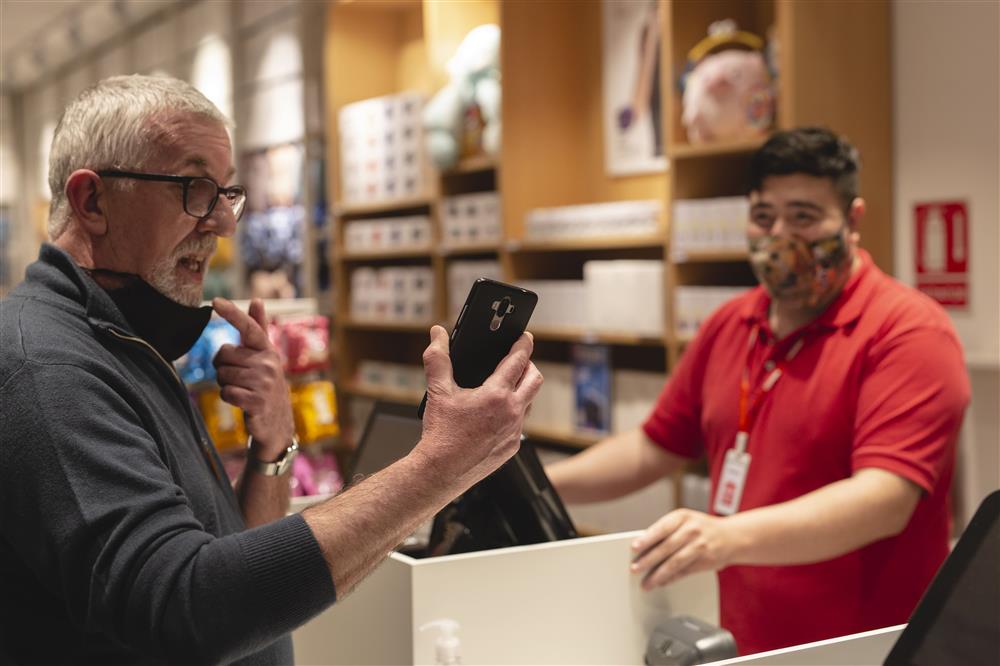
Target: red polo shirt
(879, 382)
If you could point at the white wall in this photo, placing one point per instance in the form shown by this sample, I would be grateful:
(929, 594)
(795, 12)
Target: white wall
(947, 146)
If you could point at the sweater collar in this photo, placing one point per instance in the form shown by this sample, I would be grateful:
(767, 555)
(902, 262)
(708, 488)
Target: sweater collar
(131, 305)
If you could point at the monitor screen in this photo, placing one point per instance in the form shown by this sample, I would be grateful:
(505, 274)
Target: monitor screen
(391, 432)
(514, 506)
(958, 619)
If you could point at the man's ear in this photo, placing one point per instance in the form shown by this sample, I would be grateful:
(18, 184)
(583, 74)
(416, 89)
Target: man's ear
(86, 195)
(854, 217)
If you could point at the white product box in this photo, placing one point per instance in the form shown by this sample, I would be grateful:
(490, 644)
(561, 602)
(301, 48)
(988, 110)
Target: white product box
(634, 394)
(561, 304)
(617, 218)
(709, 225)
(471, 218)
(552, 408)
(625, 295)
(461, 275)
(693, 304)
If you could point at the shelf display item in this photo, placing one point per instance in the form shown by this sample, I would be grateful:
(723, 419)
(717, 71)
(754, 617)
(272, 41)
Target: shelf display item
(462, 120)
(613, 219)
(224, 421)
(382, 154)
(461, 275)
(693, 304)
(196, 366)
(393, 294)
(314, 407)
(315, 473)
(709, 225)
(471, 219)
(561, 304)
(729, 94)
(303, 341)
(592, 388)
(390, 233)
(625, 295)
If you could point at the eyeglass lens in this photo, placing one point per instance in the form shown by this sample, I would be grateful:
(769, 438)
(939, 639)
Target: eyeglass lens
(203, 193)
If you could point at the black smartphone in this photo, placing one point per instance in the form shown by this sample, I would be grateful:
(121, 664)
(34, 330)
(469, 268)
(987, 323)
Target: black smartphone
(493, 318)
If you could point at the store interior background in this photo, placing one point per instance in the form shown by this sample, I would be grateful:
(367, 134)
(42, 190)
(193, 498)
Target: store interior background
(262, 62)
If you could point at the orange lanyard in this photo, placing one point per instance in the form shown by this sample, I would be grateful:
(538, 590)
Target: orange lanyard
(751, 401)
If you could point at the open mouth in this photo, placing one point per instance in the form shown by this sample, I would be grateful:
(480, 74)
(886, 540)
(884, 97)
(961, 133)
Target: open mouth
(193, 264)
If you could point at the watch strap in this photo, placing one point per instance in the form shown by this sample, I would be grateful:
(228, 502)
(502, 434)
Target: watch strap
(279, 466)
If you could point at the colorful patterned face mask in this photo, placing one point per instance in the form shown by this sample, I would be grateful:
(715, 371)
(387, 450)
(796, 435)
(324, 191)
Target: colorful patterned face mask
(796, 270)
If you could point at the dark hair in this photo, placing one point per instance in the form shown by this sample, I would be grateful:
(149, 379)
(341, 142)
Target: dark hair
(814, 151)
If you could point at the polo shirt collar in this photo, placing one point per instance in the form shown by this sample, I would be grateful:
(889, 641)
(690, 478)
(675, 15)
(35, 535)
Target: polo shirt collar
(845, 310)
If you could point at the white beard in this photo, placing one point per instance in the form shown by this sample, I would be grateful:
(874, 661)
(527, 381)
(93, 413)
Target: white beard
(163, 275)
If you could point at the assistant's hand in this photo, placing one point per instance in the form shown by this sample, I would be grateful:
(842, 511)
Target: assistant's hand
(468, 433)
(680, 543)
(252, 379)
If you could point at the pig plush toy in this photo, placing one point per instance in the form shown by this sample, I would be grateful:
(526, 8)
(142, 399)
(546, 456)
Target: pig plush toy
(728, 95)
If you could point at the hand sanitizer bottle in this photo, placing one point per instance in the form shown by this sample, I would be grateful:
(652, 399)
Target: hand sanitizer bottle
(446, 645)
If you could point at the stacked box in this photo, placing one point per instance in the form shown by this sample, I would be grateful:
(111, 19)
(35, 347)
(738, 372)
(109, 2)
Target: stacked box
(552, 407)
(635, 393)
(617, 218)
(693, 304)
(709, 225)
(393, 294)
(461, 275)
(471, 219)
(382, 149)
(561, 304)
(391, 233)
(625, 295)
(396, 377)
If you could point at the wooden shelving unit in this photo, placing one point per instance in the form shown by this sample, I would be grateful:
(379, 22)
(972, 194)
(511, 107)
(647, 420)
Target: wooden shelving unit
(552, 152)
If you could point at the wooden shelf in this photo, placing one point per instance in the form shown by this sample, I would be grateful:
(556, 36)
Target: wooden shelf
(378, 255)
(379, 325)
(472, 248)
(575, 440)
(472, 165)
(570, 245)
(600, 337)
(709, 256)
(374, 393)
(688, 151)
(389, 206)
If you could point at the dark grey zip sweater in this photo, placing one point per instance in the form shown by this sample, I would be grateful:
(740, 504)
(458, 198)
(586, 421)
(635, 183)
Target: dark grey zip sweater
(120, 538)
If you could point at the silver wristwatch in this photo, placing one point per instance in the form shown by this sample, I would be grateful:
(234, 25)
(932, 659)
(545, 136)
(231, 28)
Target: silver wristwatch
(279, 466)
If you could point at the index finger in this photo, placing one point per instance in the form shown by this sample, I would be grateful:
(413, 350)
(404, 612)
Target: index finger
(657, 532)
(251, 333)
(512, 367)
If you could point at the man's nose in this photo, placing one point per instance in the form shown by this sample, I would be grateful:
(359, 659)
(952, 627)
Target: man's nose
(222, 221)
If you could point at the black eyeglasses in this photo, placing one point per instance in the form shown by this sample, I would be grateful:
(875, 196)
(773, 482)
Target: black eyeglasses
(200, 192)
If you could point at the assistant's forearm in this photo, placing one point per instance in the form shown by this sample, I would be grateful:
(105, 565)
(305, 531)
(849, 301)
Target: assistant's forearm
(262, 498)
(825, 523)
(357, 529)
(616, 466)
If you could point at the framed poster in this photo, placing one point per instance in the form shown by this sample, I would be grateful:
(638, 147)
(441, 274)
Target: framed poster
(634, 140)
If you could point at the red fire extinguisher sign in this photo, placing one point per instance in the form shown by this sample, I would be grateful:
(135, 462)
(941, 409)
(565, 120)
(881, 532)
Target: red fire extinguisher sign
(941, 233)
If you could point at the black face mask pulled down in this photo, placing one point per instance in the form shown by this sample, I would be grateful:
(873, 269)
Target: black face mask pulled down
(171, 328)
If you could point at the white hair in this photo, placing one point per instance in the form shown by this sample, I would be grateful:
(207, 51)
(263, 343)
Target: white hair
(109, 125)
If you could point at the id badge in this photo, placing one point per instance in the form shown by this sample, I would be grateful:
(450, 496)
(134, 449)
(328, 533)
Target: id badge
(731, 482)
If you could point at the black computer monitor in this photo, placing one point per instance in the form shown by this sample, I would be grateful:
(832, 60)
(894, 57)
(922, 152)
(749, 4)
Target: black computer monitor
(389, 434)
(514, 506)
(958, 619)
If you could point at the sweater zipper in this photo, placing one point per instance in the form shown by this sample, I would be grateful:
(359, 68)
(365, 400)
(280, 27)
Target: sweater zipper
(204, 445)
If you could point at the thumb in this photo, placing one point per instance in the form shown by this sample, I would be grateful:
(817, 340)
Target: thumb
(437, 362)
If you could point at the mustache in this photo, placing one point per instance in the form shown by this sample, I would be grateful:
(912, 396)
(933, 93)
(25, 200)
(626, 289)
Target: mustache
(203, 247)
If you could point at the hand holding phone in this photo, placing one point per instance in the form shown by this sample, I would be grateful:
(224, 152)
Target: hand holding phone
(494, 316)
